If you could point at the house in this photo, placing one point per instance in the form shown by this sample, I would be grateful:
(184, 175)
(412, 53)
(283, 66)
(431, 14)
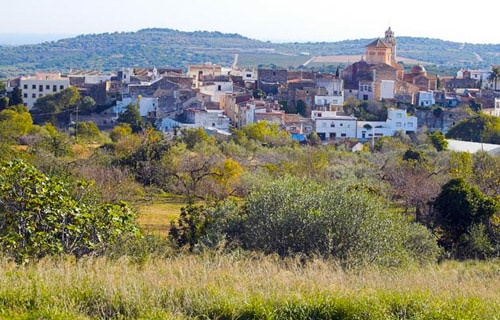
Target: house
(208, 119)
(397, 120)
(330, 94)
(40, 85)
(216, 87)
(199, 72)
(328, 125)
(425, 98)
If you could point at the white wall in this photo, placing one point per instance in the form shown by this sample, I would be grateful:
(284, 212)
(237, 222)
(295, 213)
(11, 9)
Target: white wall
(34, 88)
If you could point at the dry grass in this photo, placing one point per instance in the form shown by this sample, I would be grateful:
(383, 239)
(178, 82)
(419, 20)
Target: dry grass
(156, 213)
(228, 286)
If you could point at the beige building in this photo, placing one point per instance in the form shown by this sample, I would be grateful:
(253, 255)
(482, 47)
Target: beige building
(40, 85)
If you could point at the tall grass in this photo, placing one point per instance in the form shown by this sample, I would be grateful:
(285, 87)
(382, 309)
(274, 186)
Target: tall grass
(244, 287)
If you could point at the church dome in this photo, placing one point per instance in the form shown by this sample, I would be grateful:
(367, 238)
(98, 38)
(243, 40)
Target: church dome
(418, 69)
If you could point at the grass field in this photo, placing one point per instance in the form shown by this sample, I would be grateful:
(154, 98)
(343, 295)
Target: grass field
(155, 214)
(238, 286)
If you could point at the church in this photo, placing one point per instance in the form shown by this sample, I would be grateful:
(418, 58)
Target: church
(379, 76)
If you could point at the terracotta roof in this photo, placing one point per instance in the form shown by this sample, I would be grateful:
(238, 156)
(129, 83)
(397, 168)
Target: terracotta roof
(379, 44)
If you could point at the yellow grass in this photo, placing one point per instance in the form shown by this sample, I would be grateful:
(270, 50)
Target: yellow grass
(230, 284)
(155, 215)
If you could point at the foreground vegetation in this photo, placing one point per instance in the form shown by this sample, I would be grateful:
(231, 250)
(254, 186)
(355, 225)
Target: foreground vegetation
(239, 286)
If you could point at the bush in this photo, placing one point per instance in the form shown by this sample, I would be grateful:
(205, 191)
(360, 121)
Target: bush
(292, 216)
(39, 216)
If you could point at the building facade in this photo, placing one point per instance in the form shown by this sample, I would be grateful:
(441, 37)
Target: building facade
(40, 85)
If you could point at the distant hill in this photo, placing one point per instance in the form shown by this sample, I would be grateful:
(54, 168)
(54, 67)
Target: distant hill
(172, 48)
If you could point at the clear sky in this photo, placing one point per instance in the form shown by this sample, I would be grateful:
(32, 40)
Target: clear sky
(274, 20)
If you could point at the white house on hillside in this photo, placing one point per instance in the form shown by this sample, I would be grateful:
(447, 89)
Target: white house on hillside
(397, 120)
(40, 85)
(328, 125)
(425, 98)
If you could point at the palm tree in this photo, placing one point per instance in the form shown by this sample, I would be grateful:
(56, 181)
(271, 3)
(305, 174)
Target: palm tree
(494, 76)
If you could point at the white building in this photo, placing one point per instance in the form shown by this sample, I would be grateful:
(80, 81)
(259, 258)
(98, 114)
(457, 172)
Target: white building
(148, 106)
(216, 89)
(496, 111)
(366, 90)
(333, 90)
(425, 98)
(208, 119)
(328, 125)
(40, 85)
(397, 120)
(387, 89)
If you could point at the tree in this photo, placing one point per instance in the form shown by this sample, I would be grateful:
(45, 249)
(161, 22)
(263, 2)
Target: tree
(459, 206)
(87, 131)
(39, 216)
(15, 121)
(494, 76)
(56, 108)
(292, 215)
(132, 117)
(438, 140)
(16, 97)
(481, 128)
(4, 103)
(120, 131)
(301, 108)
(57, 143)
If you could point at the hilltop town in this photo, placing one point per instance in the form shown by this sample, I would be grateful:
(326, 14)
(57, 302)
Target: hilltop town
(372, 97)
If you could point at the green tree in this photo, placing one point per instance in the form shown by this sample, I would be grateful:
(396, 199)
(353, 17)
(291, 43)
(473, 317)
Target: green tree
(56, 108)
(192, 136)
(301, 108)
(39, 216)
(291, 216)
(87, 131)
(15, 121)
(494, 76)
(438, 140)
(132, 117)
(57, 143)
(16, 97)
(481, 128)
(120, 131)
(4, 103)
(459, 206)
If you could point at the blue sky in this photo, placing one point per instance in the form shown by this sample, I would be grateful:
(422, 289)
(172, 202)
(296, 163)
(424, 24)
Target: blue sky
(274, 20)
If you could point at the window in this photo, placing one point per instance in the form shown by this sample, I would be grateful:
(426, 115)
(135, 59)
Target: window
(319, 115)
(398, 124)
(219, 87)
(410, 124)
(33, 86)
(54, 88)
(25, 95)
(332, 125)
(343, 135)
(25, 86)
(61, 87)
(33, 95)
(47, 87)
(399, 115)
(40, 88)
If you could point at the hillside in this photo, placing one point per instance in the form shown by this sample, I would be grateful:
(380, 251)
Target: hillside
(172, 48)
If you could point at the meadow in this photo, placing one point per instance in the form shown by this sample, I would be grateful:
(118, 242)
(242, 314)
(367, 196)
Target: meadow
(241, 285)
